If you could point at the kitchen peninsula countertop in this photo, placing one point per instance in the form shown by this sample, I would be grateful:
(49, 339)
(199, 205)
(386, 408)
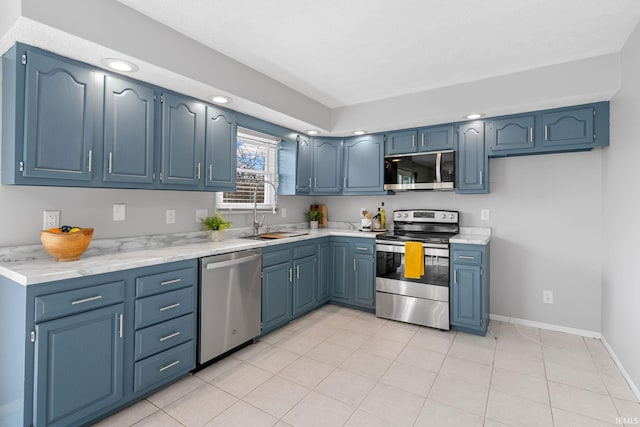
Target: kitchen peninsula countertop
(31, 270)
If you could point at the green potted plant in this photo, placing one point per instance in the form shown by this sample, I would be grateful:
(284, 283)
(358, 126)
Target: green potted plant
(215, 225)
(314, 216)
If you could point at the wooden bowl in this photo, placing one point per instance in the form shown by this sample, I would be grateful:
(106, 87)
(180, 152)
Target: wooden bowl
(66, 246)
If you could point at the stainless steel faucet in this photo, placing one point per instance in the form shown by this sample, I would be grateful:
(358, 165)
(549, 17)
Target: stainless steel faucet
(257, 224)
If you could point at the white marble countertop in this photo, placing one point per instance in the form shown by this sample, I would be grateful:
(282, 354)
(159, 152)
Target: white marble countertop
(472, 236)
(40, 270)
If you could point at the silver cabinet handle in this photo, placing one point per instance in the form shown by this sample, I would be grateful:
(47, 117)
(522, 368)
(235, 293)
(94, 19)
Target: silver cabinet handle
(110, 168)
(121, 332)
(354, 264)
(546, 132)
(466, 257)
(198, 168)
(169, 307)
(362, 249)
(530, 134)
(455, 277)
(315, 182)
(170, 282)
(291, 275)
(168, 337)
(297, 271)
(170, 365)
(210, 172)
(422, 142)
(413, 140)
(481, 178)
(90, 160)
(82, 301)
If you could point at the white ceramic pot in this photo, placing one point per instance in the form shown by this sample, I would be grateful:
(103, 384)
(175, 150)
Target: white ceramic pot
(215, 235)
(313, 225)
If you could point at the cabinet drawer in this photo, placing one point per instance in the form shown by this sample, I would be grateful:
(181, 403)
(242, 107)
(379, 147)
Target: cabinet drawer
(155, 339)
(467, 256)
(363, 248)
(304, 251)
(164, 366)
(158, 308)
(276, 257)
(78, 300)
(163, 282)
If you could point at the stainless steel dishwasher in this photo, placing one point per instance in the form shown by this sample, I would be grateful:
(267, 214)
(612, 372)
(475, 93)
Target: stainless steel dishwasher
(230, 302)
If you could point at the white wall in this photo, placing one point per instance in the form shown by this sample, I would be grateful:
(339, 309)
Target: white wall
(546, 220)
(620, 279)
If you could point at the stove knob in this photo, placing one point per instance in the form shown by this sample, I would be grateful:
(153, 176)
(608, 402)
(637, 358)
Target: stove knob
(406, 215)
(398, 215)
(444, 216)
(451, 216)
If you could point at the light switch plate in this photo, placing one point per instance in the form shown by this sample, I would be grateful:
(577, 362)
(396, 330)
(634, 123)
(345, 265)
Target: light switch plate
(171, 216)
(119, 211)
(485, 214)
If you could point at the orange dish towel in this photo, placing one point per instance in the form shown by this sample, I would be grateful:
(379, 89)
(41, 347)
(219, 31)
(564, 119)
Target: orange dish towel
(413, 260)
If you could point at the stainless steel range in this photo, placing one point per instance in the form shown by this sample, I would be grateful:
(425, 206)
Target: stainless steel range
(423, 301)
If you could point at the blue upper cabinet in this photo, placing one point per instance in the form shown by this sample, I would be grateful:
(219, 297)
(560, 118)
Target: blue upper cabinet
(220, 150)
(436, 138)
(327, 166)
(511, 133)
(183, 134)
(129, 112)
(363, 164)
(303, 165)
(51, 106)
(472, 162)
(568, 127)
(401, 142)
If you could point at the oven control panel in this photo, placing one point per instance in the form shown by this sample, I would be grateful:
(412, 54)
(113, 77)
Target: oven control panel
(421, 215)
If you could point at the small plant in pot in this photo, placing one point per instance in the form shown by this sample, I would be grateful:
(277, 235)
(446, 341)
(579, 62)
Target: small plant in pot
(314, 216)
(215, 225)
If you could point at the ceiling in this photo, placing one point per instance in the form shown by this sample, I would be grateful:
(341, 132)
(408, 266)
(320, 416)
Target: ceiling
(341, 53)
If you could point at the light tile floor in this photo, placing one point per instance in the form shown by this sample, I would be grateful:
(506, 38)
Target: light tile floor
(337, 366)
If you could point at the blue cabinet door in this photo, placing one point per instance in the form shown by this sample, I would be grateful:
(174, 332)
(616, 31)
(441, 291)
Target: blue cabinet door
(183, 132)
(78, 364)
(324, 261)
(364, 165)
(401, 142)
(466, 296)
(472, 162)
(364, 282)
(512, 133)
(276, 295)
(61, 108)
(568, 127)
(341, 271)
(436, 138)
(128, 133)
(220, 150)
(305, 284)
(303, 165)
(327, 166)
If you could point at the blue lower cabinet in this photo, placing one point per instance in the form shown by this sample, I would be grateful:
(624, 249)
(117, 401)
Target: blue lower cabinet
(353, 272)
(341, 272)
(78, 362)
(469, 299)
(276, 295)
(364, 281)
(305, 284)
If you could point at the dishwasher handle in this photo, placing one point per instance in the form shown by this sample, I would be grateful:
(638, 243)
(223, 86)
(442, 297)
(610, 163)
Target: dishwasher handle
(221, 264)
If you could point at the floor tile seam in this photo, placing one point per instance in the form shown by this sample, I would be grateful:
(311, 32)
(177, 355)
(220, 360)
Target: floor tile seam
(256, 366)
(585, 415)
(580, 387)
(600, 394)
(486, 403)
(309, 390)
(250, 404)
(304, 385)
(172, 417)
(426, 399)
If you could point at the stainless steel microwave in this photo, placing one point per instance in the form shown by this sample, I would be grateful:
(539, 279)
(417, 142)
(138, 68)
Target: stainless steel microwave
(420, 171)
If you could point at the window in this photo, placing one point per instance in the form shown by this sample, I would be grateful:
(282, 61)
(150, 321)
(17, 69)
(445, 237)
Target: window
(257, 162)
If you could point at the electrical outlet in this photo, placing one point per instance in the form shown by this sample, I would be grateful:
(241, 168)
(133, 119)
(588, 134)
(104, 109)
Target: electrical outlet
(119, 211)
(284, 212)
(201, 214)
(51, 220)
(171, 216)
(547, 297)
(485, 214)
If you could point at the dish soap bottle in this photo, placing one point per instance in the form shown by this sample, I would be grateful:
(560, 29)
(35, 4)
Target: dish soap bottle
(383, 217)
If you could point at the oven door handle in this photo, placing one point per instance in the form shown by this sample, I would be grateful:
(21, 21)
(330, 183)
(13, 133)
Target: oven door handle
(397, 249)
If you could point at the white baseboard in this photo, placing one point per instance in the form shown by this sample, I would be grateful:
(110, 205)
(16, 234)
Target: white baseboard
(548, 326)
(623, 371)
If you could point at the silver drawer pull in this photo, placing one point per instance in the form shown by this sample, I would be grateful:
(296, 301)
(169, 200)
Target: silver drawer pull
(168, 337)
(169, 307)
(170, 282)
(466, 257)
(82, 301)
(362, 249)
(170, 365)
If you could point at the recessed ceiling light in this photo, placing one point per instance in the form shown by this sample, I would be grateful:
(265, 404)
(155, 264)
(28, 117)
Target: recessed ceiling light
(359, 132)
(120, 65)
(474, 116)
(312, 132)
(219, 99)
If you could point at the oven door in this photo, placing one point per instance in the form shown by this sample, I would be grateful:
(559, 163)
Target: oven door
(423, 301)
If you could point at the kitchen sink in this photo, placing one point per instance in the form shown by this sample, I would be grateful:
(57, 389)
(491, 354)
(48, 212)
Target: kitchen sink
(277, 235)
